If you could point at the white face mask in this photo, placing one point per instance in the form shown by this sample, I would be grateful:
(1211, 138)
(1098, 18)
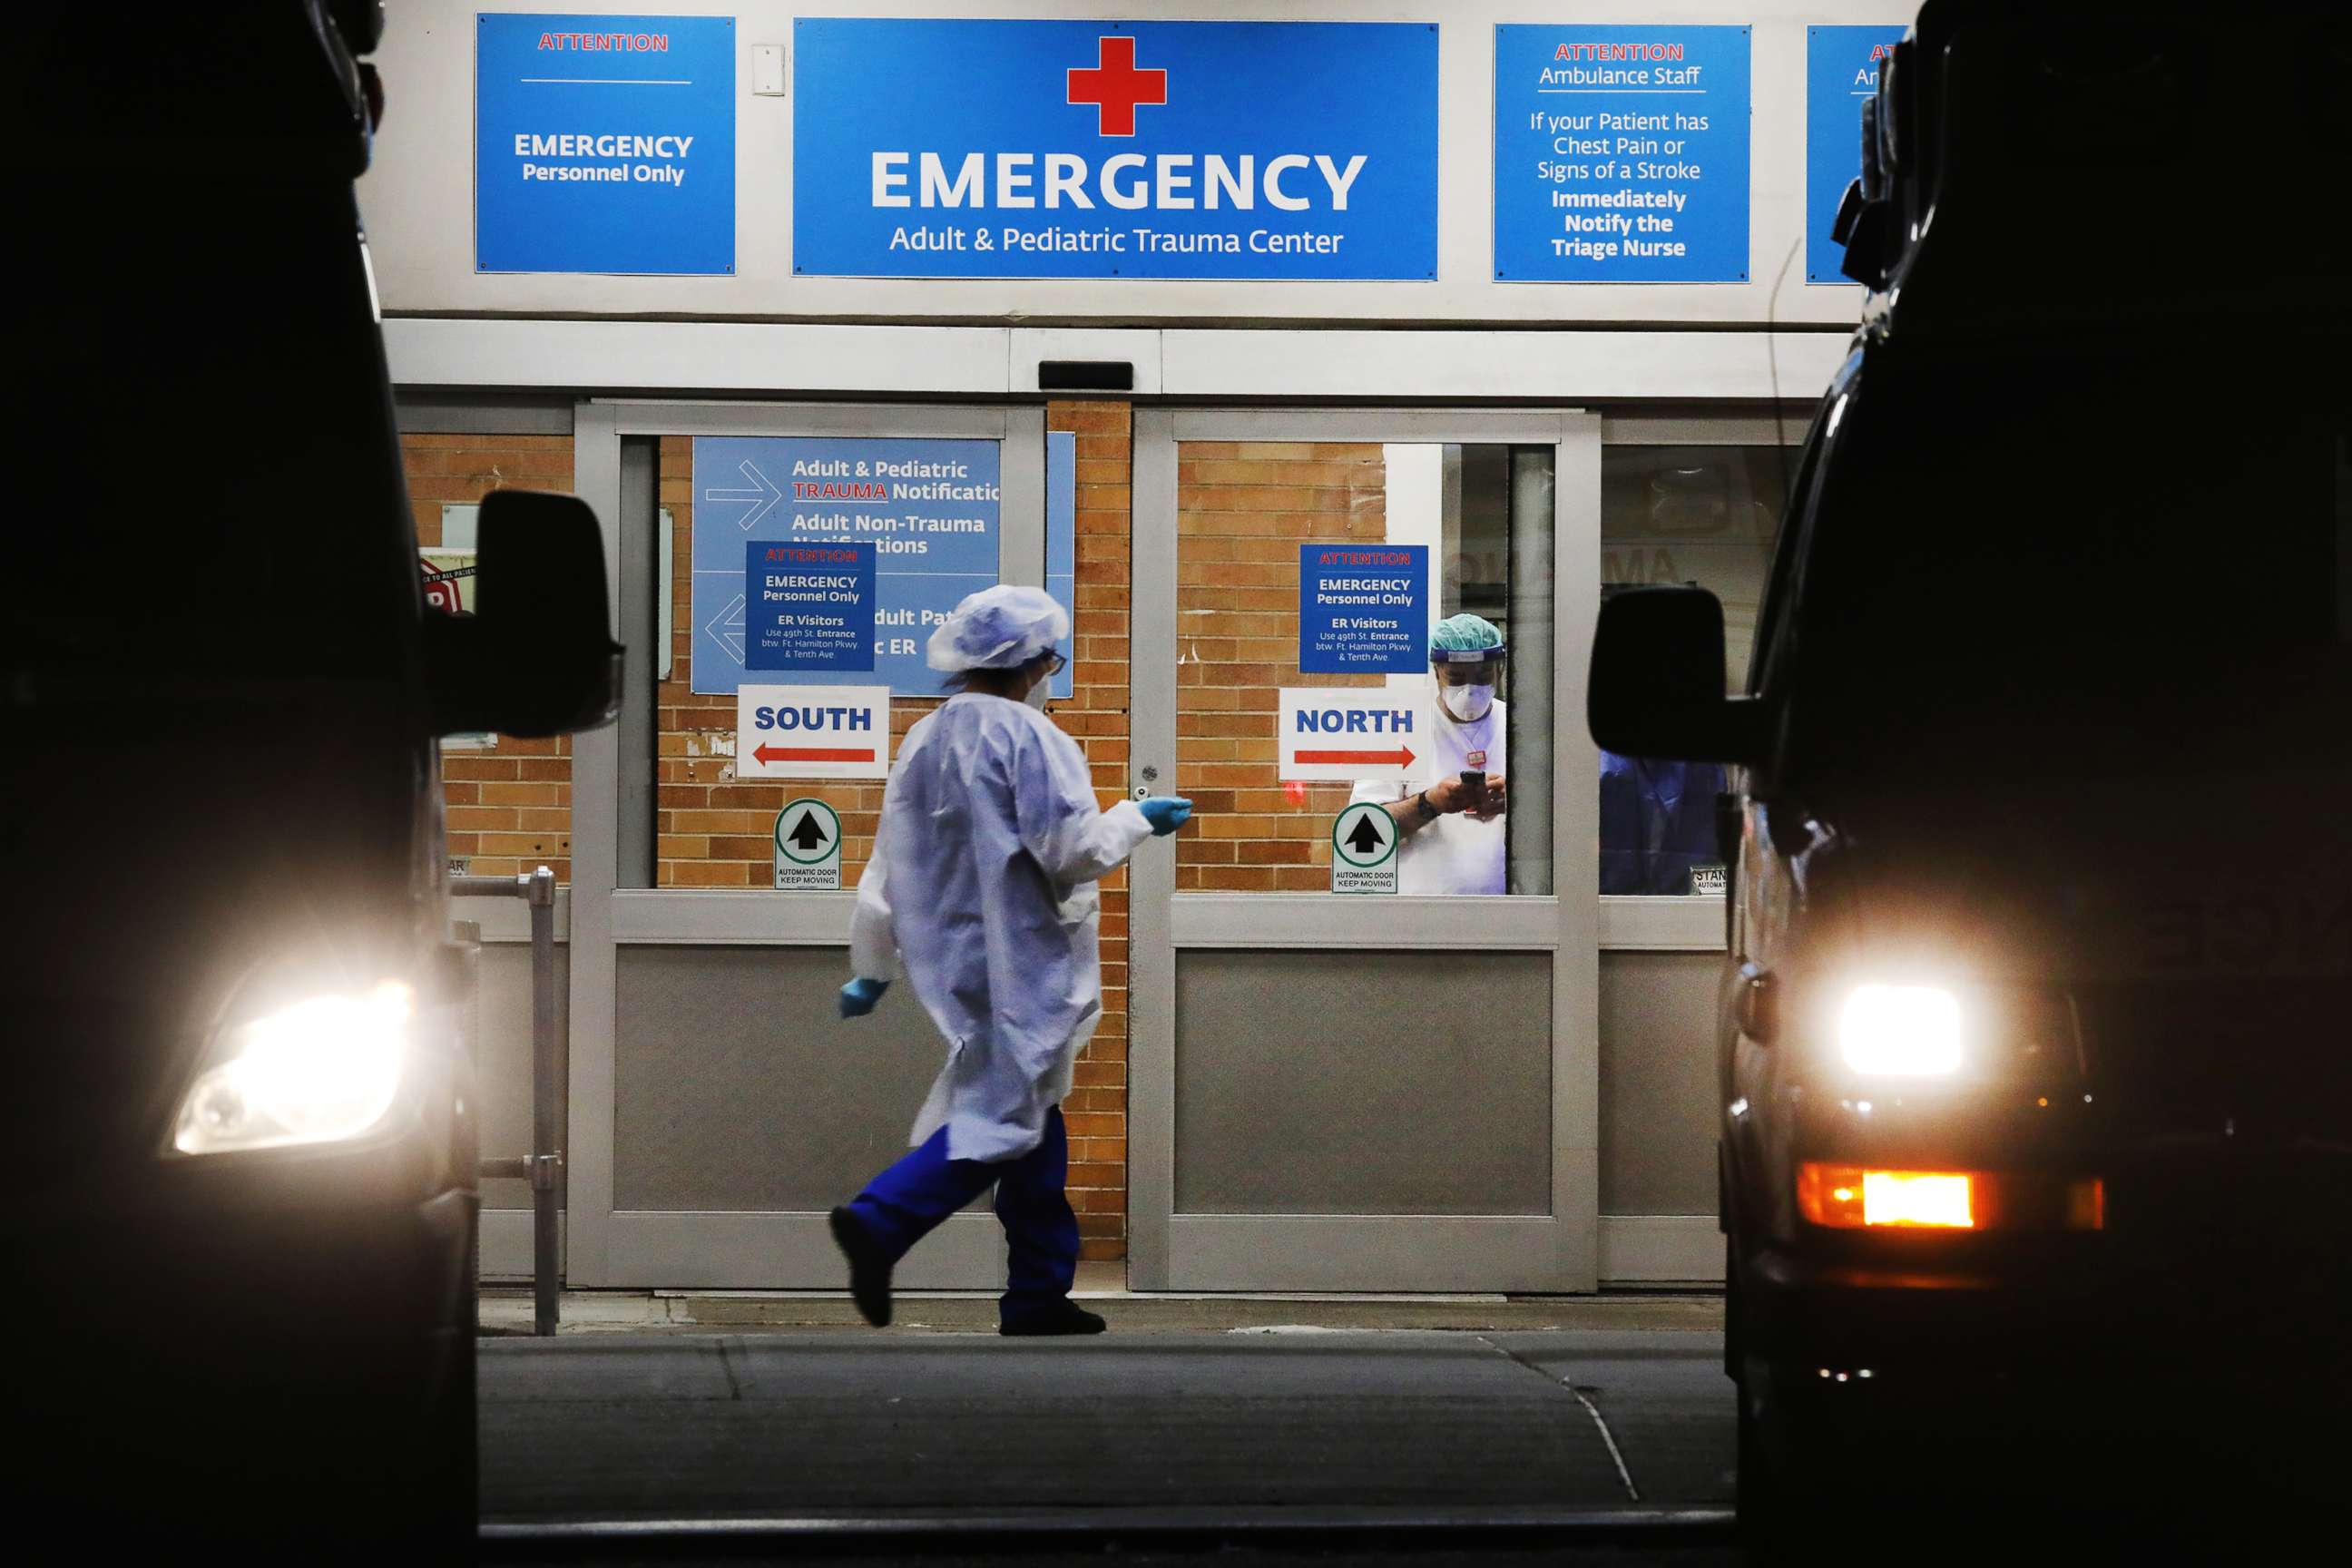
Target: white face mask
(1468, 703)
(1036, 696)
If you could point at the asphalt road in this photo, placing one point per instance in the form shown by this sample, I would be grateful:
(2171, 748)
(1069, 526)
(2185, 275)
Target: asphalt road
(1383, 1435)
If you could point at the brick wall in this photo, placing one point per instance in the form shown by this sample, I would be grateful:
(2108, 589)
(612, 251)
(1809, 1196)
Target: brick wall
(1243, 509)
(509, 808)
(715, 831)
(1096, 716)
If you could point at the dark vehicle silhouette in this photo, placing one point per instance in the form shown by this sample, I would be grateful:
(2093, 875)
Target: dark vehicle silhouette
(241, 1118)
(2036, 1073)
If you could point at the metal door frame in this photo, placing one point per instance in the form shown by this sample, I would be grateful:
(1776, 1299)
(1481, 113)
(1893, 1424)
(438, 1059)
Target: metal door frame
(1356, 1252)
(506, 1234)
(662, 1249)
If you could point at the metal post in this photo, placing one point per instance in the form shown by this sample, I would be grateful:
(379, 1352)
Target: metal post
(544, 1167)
(545, 1155)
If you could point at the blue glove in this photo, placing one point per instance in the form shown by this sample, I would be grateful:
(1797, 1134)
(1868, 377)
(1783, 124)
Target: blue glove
(1166, 813)
(858, 997)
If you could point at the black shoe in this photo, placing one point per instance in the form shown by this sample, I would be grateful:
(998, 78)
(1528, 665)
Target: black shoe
(1065, 1316)
(869, 1271)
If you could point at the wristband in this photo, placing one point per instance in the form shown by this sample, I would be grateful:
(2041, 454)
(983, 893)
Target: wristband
(1427, 810)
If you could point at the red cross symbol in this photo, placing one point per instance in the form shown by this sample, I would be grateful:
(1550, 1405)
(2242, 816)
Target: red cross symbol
(1115, 87)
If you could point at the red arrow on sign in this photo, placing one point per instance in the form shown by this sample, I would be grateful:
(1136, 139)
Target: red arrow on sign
(813, 755)
(1401, 757)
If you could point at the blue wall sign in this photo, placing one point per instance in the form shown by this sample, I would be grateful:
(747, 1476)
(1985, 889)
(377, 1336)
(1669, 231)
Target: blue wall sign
(603, 144)
(928, 511)
(1840, 71)
(1620, 154)
(1363, 609)
(1045, 149)
(808, 606)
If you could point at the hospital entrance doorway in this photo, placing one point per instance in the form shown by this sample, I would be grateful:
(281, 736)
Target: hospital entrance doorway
(1363, 983)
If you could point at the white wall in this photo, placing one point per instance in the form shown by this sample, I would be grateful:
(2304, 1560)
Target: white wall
(418, 199)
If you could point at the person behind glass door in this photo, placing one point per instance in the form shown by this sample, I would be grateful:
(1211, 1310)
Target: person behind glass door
(982, 884)
(1452, 835)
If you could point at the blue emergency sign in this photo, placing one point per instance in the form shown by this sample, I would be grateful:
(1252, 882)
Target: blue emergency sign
(808, 606)
(1620, 154)
(928, 509)
(1051, 149)
(1840, 71)
(1363, 609)
(603, 144)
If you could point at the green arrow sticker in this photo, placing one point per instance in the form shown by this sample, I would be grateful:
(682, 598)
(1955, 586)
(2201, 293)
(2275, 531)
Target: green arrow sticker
(1363, 850)
(808, 847)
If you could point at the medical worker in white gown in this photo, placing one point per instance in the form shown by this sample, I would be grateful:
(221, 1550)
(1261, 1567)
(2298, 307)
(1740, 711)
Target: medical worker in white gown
(1453, 834)
(981, 886)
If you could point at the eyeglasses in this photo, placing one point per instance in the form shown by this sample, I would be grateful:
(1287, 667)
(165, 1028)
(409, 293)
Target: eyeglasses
(1056, 668)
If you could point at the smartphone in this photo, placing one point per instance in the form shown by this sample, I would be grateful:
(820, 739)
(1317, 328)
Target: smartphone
(1474, 780)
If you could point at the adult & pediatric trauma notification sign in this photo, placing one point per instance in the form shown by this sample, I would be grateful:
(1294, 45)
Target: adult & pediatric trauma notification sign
(1049, 149)
(1620, 154)
(919, 516)
(603, 144)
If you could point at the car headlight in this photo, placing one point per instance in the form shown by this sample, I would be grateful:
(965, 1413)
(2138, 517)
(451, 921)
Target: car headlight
(1900, 1031)
(319, 1071)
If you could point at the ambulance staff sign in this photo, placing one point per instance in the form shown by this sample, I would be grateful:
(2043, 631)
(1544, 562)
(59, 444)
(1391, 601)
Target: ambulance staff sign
(1042, 149)
(1841, 74)
(1620, 154)
(604, 144)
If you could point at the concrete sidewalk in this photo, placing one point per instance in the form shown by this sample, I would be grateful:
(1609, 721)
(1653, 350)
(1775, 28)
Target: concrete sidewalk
(506, 1311)
(903, 1423)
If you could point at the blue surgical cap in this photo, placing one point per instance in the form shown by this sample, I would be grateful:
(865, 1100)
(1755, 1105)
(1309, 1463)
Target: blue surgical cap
(1002, 628)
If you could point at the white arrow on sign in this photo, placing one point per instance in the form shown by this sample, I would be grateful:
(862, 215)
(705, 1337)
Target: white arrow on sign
(726, 627)
(762, 499)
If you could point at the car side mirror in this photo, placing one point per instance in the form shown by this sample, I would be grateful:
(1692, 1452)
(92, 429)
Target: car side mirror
(1658, 678)
(536, 656)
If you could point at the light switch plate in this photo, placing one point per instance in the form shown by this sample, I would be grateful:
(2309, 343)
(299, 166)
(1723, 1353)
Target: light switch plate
(768, 70)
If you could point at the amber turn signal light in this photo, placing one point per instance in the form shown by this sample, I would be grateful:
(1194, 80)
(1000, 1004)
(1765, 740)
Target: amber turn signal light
(1847, 1197)
(1852, 1198)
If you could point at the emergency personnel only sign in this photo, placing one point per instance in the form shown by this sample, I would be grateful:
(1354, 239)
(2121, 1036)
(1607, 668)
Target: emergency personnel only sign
(811, 731)
(927, 148)
(603, 144)
(1338, 735)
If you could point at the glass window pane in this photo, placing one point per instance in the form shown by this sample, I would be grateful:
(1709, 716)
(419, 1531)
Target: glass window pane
(508, 799)
(1321, 570)
(1703, 515)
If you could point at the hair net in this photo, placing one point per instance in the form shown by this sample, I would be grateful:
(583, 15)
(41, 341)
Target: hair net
(1002, 628)
(1465, 634)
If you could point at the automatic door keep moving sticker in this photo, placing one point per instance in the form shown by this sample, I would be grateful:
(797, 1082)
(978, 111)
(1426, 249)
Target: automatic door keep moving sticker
(1363, 850)
(808, 847)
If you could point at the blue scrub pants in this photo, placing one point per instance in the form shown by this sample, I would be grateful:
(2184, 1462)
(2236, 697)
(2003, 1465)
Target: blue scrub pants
(905, 1203)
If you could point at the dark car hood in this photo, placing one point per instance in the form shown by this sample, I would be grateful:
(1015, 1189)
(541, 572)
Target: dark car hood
(2202, 926)
(172, 850)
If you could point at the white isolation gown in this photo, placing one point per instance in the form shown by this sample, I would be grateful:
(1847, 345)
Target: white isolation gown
(982, 882)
